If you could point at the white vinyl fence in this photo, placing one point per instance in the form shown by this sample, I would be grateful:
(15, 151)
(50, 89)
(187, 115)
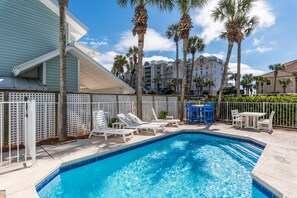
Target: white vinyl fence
(80, 107)
(18, 141)
(285, 113)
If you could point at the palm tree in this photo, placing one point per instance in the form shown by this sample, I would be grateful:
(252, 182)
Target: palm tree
(247, 82)
(246, 27)
(140, 27)
(233, 76)
(276, 68)
(200, 83)
(173, 31)
(120, 62)
(174, 83)
(284, 82)
(260, 80)
(226, 12)
(195, 43)
(209, 83)
(158, 80)
(294, 73)
(132, 56)
(185, 25)
(62, 110)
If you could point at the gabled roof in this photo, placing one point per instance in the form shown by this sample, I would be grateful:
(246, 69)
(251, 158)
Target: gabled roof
(289, 68)
(76, 28)
(93, 76)
(280, 74)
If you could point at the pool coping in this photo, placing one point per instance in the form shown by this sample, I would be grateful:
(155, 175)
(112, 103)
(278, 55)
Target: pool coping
(81, 161)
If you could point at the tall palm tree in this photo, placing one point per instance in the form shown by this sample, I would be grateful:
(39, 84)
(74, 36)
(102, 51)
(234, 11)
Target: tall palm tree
(140, 27)
(200, 83)
(185, 25)
(174, 83)
(226, 12)
(284, 83)
(195, 43)
(260, 80)
(62, 110)
(257, 83)
(209, 84)
(276, 68)
(120, 62)
(173, 31)
(158, 80)
(132, 56)
(247, 25)
(233, 76)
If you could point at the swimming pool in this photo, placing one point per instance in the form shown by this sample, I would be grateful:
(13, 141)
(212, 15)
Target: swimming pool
(184, 165)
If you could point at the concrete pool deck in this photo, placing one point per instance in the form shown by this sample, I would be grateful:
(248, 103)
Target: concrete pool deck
(276, 169)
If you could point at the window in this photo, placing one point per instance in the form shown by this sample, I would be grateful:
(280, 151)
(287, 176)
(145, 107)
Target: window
(201, 72)
(268, 82)
(201, 61)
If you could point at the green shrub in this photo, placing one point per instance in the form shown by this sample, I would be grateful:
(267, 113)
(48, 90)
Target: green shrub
(112, 120)
(259, 98)
(163, 114)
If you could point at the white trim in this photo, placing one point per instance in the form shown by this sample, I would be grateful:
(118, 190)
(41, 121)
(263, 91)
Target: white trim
(78, 75)
(77, 28)
(44, 73)
(33, 63)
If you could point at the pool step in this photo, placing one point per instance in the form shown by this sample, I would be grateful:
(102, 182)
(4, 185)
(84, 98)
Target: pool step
(246, 152)
(238, 155)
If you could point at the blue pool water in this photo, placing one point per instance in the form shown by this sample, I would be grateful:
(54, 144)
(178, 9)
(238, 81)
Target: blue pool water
(186, 165)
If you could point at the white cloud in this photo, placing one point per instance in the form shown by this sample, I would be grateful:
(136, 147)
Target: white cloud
(261, 50)
(220, 55)
(153, 41)
(156, 58)
(93, 42)
(211, 30)
(106, 59)
(257, 41)
(245, 69)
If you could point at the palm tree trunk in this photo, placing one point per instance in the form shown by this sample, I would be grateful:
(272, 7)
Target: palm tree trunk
(238, 68)
(176, 61)
(139, 74)
(191, 77)
(184, 71)
(224, 78)
(262, 88)
(274, 86)
(62, 110)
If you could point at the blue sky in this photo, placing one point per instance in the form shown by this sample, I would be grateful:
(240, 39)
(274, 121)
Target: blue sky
(274, 41)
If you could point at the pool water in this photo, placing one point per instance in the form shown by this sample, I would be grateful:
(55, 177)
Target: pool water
(186, 165)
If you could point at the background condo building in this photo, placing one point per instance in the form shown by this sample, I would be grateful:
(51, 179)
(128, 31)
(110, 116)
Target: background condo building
(162, 72)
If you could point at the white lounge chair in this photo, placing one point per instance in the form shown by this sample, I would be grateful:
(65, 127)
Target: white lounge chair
(266, 122)
(236, 119)
(101, 127)
(137, 120)
(131, 125)
(173, 122)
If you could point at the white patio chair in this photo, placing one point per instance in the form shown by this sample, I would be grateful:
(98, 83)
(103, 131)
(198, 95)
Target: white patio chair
(101, 127)
(237, 119)
(137, 120)
(173, 122)
(131, 125)
(266, 123)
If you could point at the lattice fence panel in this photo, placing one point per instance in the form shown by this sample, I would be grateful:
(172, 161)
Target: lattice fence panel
(127, 104)
(147, 104)
(106, 103)
(1, 117)
(78, 113)
(45, 114)
(173, 106)
(160, 103)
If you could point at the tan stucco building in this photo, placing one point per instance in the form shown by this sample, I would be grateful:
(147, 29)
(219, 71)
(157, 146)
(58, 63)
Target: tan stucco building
(290, 67)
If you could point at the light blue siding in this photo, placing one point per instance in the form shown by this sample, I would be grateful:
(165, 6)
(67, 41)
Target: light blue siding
(28, 30)
(53, 74)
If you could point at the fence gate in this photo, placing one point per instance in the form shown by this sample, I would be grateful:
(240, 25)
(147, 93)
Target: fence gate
(17, 135)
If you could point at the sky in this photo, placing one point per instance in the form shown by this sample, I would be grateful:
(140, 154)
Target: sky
(273, 41)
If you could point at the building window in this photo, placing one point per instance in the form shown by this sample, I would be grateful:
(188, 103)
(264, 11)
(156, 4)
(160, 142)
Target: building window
(201, 61)
(268, 82)
(201, 72)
